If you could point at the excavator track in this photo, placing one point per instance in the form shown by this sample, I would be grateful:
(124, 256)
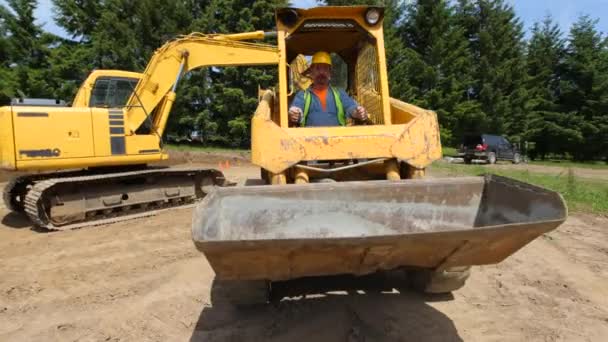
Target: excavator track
(75, 202)
(10, 194)
(15, 190)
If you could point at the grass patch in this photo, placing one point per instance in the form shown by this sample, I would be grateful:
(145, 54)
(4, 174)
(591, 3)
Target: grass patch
(199, 148)
(580, 194)
(449, 151)
(566, 163)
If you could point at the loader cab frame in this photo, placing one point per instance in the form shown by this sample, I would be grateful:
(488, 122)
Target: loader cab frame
(350, 37)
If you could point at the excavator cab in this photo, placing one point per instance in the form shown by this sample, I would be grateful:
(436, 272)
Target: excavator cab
(106, 89)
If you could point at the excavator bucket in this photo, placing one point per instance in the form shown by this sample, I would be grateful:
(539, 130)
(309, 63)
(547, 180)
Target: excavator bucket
(291, 231)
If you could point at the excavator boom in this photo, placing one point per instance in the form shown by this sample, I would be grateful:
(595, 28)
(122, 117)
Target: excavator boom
(187, 53)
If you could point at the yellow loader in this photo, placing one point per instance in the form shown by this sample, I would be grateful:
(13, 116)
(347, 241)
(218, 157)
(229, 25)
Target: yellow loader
(352, 200)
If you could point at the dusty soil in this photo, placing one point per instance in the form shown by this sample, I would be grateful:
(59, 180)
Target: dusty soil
(144, 280)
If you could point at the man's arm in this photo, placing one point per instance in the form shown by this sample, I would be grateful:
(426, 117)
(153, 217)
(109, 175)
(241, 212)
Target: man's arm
(297, 108)
(351, 108)
(348, 103)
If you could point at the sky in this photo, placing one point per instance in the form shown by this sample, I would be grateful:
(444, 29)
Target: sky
(564, 12)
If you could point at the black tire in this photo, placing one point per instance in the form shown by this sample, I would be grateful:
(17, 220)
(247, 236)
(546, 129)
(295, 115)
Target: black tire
(446, 281)
(240, 292)
(491, 158)
(516, 158)
(468, 160)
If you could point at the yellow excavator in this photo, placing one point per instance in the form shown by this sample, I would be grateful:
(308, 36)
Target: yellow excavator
(99, 148)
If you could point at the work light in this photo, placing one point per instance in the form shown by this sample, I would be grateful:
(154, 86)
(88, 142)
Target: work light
(372, 16)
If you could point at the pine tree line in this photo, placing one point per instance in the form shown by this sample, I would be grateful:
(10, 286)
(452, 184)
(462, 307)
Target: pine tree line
(467, 59)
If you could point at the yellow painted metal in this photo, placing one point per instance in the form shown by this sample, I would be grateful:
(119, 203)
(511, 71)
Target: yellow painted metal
(392, 170)
(278, 178)
(7, 142)
(137, 144)
(415, 142)
(368, 86)
(65, 132)
(419, 144)
(160, 121)
(240, 36)
(415, 173)
(83, 96)
(101, 124)
(283, 81)
(55, 164)
(194, 51)
(61, 138)
(301, 177)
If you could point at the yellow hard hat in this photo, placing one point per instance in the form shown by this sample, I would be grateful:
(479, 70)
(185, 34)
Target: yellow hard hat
(321, 57)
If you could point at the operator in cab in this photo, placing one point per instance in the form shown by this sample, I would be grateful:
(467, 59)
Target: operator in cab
(322, 104)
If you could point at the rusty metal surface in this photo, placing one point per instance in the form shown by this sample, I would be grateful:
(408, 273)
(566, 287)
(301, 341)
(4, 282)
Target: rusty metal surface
(285, 232)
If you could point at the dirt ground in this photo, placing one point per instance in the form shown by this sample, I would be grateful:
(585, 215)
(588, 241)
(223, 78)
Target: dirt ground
(144, 280)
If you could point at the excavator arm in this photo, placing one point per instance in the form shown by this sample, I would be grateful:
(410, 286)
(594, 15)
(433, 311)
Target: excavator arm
(155, 92)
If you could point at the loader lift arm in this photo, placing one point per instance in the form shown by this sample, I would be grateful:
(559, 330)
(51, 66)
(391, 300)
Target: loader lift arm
(155, 92)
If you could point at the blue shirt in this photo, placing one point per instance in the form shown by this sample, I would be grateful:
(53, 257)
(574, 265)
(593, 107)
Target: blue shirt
(316, 115)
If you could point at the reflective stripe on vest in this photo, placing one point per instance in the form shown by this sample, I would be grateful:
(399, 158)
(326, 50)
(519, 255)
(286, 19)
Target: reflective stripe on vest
(339, 106)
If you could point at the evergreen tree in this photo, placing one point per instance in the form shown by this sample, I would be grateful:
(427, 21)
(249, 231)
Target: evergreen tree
(549, 128)
(584, 88)
(437, 63)
(78, 17)
(495, 36)
(27, 49)
(7, 81)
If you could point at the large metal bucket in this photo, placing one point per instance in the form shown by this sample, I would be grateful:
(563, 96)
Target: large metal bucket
(292, 231)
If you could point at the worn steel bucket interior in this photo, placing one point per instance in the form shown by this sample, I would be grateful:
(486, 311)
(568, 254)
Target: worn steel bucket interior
(291, 231)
